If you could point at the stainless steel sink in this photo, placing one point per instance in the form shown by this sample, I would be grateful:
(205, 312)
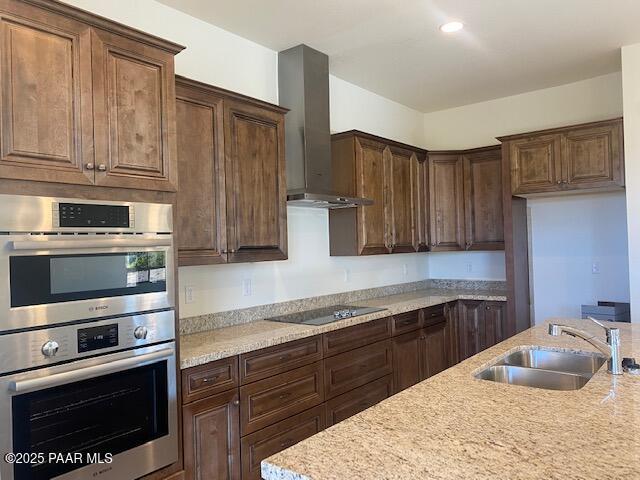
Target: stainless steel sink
(568, 362)
(533, 377)
(541, 368)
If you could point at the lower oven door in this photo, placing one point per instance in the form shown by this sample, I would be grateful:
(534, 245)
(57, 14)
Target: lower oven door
(108, 417)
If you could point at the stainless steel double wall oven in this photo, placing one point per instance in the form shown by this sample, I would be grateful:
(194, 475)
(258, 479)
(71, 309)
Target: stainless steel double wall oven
(87, 339)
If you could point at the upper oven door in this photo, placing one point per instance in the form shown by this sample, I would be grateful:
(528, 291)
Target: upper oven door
(61, 278)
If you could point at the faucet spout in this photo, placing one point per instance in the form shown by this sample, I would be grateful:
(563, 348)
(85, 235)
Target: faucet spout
(611, 347)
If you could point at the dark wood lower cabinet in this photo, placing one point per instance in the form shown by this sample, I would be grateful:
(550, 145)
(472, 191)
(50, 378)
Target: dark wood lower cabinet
(481, 324)
(435, 354)
(346, 405)
(268, 401)
(406, 360)
(271, 440)
(349, 370)
(292, 391)
(212, 437)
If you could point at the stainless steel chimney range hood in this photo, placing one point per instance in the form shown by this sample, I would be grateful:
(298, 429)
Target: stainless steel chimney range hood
(303, 88)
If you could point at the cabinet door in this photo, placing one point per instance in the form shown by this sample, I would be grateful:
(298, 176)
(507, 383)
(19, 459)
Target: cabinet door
(256, 188)
(346, 405)
(407, 365)
(484, 221)
(493, 330)
(271, 440)
(370, 179)
(201, 216)
(434, 354)
(211, 438)
(535, 164)
(45, 84)
(134, 111)
(592, 157)
(422, 204)
(402, 169)
(469, 323)
(446, 202)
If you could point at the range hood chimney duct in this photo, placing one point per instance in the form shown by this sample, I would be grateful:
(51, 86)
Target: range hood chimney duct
(303, 88)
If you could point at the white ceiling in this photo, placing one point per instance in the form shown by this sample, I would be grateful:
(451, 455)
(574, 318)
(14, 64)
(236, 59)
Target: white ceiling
(394, 47)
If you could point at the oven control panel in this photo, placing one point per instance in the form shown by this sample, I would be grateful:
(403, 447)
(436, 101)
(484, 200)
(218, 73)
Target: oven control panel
(92, 215)
(96, 338)
(49, 346)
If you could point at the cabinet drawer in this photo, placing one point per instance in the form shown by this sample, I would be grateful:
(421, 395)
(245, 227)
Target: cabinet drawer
(355, 401)
(271, 440)
(405, 322)
(209, 379)
(279, 359)
(349, 370)
(349, 338)
(433, 315)
(267, 401)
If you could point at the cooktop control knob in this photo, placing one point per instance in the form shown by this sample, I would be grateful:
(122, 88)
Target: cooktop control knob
(50, 348)
(140, 332)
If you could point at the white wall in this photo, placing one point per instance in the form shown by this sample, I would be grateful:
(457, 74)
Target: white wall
(568, 236)
(631, 92)
(565, 232)
(224, 59)
(478, 124)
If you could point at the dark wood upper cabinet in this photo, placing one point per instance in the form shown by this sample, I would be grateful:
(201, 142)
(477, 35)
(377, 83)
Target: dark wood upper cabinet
(422, 204)
(232, 196)
(45, 76)
(212, 438)
(587, 156)
(201, 203)
(402, 184)
(535, 164)
(484, 223)
(255, 182)
(446, 201)
(388, 173)
(85, 101)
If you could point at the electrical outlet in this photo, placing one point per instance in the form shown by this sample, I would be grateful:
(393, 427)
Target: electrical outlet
(347, 275)
(246, 287)
(188, 294)
(405, 270)
(595, 268)
(469, 267)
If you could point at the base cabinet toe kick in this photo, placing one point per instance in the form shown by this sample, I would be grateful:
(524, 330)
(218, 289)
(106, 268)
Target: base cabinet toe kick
(241, 410)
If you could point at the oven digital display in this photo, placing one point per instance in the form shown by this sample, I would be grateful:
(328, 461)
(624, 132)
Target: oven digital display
(91, 215)
(94, 338)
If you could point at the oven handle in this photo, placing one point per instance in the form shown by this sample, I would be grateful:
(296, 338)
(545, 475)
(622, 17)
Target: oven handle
(87, 372)
(94, 243)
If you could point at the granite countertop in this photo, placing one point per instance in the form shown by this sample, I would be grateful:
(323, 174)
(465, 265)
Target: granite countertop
(203, 347)
(453, 426)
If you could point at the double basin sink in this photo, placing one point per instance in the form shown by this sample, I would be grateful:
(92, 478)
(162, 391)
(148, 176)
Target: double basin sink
(544, 368)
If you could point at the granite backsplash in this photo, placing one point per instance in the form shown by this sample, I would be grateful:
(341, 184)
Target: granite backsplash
(229, 318)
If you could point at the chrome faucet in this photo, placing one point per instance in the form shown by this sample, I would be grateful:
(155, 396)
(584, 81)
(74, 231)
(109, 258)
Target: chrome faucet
(611, 348)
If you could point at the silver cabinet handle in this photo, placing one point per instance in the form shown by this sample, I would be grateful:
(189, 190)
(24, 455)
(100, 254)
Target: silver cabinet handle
(102, 167)
(89, 166)
(87, 372)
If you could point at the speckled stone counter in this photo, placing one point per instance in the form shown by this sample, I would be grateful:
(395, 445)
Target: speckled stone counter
(199, 348)
(453, 426)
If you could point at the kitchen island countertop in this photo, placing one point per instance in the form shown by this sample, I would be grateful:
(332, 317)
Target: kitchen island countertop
(453, 426)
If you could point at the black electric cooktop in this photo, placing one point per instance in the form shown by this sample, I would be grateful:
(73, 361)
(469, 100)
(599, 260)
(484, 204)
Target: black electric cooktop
(322, 316)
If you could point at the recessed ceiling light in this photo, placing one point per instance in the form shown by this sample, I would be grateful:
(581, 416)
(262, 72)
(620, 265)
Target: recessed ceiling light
(451, 27)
